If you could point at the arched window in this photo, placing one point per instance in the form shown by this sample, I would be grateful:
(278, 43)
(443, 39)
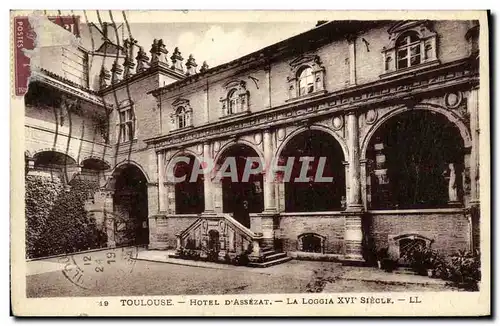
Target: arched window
(127, 124)
(181, 114)
(305, 81)
(408, 50)
(232, 102)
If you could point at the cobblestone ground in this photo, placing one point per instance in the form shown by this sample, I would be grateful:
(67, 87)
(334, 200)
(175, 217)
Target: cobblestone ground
(107, 273)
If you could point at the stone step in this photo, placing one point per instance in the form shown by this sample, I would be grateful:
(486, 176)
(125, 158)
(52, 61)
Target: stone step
(404, 270)
(267, 250)
(270, 263)
(274, 256)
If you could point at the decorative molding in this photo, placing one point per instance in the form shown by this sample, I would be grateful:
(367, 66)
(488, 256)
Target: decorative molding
(338, 123)
(369, 95)
(453, 100)
(61, 84)
(371, 116)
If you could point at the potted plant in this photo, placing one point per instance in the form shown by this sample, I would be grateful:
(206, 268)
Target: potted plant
(381, 255)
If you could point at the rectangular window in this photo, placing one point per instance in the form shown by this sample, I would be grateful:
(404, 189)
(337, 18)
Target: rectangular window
(127, 132)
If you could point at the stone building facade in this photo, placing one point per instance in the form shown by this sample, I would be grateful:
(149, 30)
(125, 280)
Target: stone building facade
(392, 105)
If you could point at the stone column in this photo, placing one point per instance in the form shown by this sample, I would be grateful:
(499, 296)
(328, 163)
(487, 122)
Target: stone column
(354, 197)
(207, 180)
(472, 104)
(269, 188)
(161, 182)
(353, 233)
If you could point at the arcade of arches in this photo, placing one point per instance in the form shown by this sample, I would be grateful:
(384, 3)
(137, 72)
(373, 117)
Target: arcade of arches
(416, 160)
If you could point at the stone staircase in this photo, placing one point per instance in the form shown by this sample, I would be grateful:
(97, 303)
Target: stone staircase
(269, 257)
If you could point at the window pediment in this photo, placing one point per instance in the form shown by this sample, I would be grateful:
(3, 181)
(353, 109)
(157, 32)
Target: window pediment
(181, 116)
(236, 99)
(180, 101)
(306, 77)
(411, 44)
(423, 29)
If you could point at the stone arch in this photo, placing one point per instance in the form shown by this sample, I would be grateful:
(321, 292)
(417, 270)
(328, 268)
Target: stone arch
(415, 158)
(180, 152)
(325, 154)
(451, 116)
(241, 196)
(400, 244)
(123, 164)
(104, 163)
(298, 131)
(227, 146)
(43, 150)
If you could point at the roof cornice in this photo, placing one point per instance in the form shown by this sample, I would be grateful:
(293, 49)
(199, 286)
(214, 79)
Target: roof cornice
(312, 38)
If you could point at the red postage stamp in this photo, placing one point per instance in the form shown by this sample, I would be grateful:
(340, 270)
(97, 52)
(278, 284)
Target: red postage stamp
(24, 39)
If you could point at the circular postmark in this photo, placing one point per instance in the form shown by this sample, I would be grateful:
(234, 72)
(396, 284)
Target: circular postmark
(89, 270)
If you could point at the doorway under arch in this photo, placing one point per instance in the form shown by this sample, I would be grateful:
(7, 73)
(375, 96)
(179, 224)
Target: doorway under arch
(130, 205)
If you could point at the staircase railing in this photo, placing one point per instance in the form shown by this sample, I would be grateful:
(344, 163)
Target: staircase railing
(250, 236)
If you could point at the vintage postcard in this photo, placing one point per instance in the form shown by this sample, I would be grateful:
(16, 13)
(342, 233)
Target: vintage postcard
(233, 163)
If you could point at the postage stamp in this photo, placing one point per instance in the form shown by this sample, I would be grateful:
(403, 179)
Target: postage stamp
(189, 163)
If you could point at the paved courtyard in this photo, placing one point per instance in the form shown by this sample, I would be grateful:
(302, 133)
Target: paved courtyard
(113, 273)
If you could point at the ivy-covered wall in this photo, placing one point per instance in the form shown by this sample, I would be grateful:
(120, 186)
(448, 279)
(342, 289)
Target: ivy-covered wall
(56, 219)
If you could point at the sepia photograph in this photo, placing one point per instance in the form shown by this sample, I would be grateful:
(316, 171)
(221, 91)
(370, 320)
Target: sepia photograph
(192, 165)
